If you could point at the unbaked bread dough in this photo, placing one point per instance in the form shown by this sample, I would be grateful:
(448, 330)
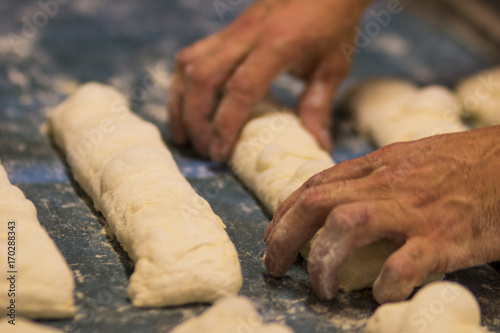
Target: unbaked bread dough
(230, 314)
(181, 251)
(480, 97)
(24, 325)
(43, 282)
(389, 110)
(439, 307)
(273, 157)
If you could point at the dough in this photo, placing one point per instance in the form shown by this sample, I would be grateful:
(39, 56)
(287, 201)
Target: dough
(273, 157)
(480, 97)
(26, 326)
(230, 315)
(440, 307)
(181, 251)
(43, 281)
(389, 111)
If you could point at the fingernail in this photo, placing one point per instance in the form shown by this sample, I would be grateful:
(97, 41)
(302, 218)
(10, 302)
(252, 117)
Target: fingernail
(327, 295)
(269, 262)
(268, 231)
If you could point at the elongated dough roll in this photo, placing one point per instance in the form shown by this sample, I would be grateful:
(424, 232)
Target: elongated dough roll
(273, 157)
(389, 110)
(181, 251)
(34, 273)
(24, 325)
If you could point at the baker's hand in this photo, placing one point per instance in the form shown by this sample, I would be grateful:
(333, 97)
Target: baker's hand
(439, 198)
(241, 61)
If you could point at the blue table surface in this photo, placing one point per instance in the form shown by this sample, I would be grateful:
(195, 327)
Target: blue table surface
(46, 51)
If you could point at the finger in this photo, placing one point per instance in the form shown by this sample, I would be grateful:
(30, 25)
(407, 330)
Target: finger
(404, 270)
(202, 49)
(244, 25)
(347, 227)
(348, 170)
(177, 89)
(204, 79)
(307, 216)
(248, 84)
(175, 97)
(315, 106)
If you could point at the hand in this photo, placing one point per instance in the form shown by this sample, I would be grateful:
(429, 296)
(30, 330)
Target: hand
(241, 61)
(439, 198)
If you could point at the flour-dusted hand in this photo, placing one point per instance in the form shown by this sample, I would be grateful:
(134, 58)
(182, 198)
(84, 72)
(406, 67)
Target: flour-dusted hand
(437, 197)
(240, 62)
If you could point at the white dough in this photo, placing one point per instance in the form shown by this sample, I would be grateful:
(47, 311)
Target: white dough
(44, 283)
(273, 157)
(181, 251)
(389, 111)
(480, 97)
(440, 307)
(231, 314)
(24, 325)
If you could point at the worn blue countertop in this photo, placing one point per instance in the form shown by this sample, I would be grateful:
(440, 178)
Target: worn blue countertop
(45, 51)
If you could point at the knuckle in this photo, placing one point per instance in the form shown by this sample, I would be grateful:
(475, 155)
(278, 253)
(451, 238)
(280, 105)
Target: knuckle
(184, 57)
(314, 180)
(199, 75)
(403, 270)
(453, 166)
(384, 179)
(395, 147)
(242, 89)
(311, 198)
(341, 219)
(422, 198)
(349, 217)
(284, 49)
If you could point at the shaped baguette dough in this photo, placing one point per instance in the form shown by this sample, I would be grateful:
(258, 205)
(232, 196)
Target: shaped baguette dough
(389, 111)
(44, 282)
(230, 315)
(480, 97)
(440, 307)
(181, 251)
(273, 157)
(26, 326)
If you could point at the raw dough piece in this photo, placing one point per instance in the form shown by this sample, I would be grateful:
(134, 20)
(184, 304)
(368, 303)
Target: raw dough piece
(44, 283)
(389, 111)
(181, 251)
(273, 157)
(26, 326)
(480, 97)
(440, 307)
(230, 315)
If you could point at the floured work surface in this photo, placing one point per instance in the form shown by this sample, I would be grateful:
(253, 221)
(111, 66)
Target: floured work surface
(116, 48)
